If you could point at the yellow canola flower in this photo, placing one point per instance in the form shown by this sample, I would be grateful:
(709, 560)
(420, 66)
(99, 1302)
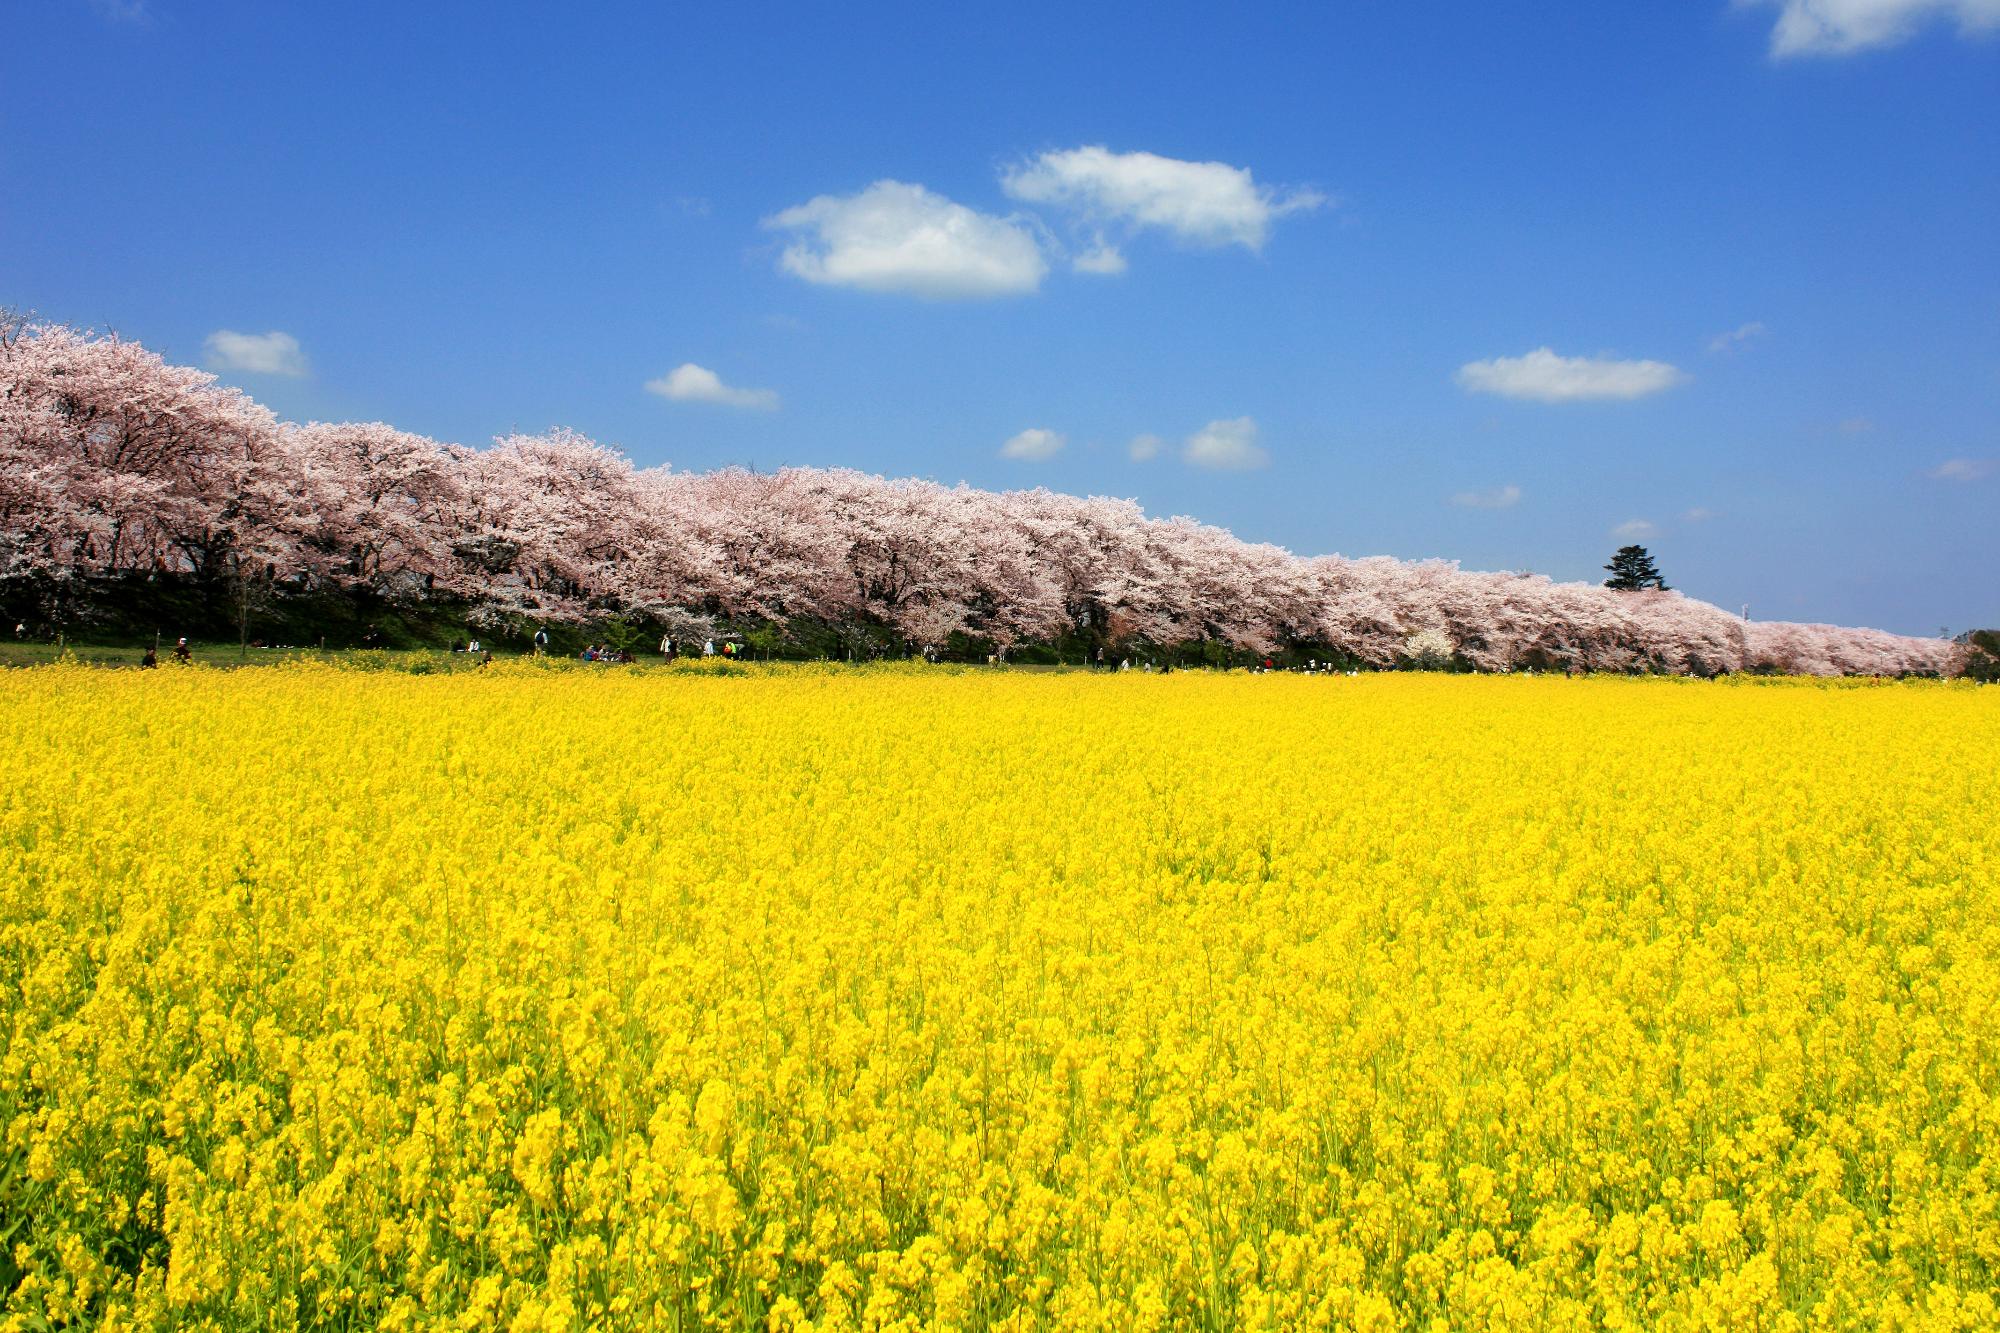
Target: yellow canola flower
(542, 998)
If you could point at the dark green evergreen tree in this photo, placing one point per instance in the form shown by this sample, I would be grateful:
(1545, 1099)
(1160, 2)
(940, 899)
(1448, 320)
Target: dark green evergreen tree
(1633, 570)
(1983, 662)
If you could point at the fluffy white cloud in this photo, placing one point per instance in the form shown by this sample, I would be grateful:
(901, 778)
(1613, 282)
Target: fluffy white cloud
(1500, 497)
(1736, 337)
(1548, 378)
(1145, 448)
(895, 237)
(1033, 445)
(1202, 203)
(1633, 529)
(1230, 444)
(1841, 27)
(271, 353)
(1964, 469)
(690, 383)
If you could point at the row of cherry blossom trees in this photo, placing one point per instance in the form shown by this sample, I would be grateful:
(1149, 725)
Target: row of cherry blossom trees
(114, 462)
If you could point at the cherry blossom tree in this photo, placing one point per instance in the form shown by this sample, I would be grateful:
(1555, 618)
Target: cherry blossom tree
(386, 503)
(547, 529)
(779, 554)
(120, 462)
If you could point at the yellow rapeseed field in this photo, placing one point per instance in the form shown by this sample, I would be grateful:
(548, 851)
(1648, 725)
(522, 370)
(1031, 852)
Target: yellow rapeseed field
(553, 998)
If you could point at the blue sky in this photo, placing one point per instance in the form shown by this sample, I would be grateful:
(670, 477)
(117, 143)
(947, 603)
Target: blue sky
(471, 219)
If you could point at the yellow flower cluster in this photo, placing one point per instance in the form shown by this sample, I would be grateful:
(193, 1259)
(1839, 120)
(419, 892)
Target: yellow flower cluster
(899, 999)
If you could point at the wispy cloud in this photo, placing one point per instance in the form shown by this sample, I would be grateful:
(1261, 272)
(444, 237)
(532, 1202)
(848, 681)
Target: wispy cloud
(690, 383)
(1500, 497)
(1034, 445)
(1855, 426)
(1634, 529)
(1227, 445)
(270, 353)
(1736, 337)
(1842, 27)
(897, 237)
(1199, 203)
(1543, 376)
(1698, 514)
(1103, 259)
(1964, 469)
(1145, 448)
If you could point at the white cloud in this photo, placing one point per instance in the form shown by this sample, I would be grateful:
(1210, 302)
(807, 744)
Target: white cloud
(1964, 469)
(690, 383)
(1202, 203)
(1101, 258)
(271, 353)
(1145, 448)
(1548, 378)
(1698, 514)
(1632, 529)
(1736, 337)
(894, 237)
(1500, 497)
(1033, 445)
(1230, 444)
(1842, 27)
